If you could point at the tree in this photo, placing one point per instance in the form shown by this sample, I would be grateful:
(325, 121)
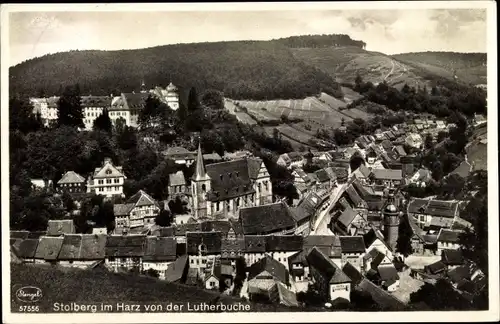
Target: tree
(69, 109)
(441, 296)
(105, 215)
(152, 273)
(103, 122)
(403, 244)
(21, 116)
(241, 274)
(164, 218)
(68, 201)
(177, 206)
(120, 125)
(428, 141)
(193, 101)
(213, 99)
(474, 241)
(153, 114)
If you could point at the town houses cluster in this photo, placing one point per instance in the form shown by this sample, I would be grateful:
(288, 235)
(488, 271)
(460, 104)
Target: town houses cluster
(339, 236)
(126, 106)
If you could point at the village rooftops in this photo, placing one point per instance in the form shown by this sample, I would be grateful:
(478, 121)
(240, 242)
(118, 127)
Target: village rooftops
(26, 248)
(434, 207)
(267, 264)
(352, 244)
(71, 177)
(83, 247)
(48, 248)
(203, 243)
(125, 246)
(353, 273)
(176, 270)
(448, 236)
(160, 249)
(347, 216)
(387, 174)
(60, 227)
(140, 199)
(229, 179)
(328, 269)
(384, 299)
(452, 257)
(176, 179)
(307, 206)
(163, 231)
(282, 243)
(372, 235)
(266, 219)
(255, 243)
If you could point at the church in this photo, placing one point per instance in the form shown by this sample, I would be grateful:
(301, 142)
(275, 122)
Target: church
(218, 190)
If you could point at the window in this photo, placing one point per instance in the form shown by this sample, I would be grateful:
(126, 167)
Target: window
(203, 188)
(111, 259)
(212, 284)
(116, 180)
(203, 261)
(108, 180)
(192, 261)
(100, 181)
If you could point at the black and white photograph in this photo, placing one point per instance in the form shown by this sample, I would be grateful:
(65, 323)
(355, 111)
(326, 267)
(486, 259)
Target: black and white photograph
(249, 162)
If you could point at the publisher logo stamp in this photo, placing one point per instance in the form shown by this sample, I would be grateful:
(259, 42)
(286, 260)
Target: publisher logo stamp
(29, 294)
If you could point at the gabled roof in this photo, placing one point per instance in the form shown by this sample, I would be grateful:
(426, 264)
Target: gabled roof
(328, 269)
(347, 216)
(362, 172)
(449, 236)
(96, 101)
(400, 150)
(160, 249)
(175, 270)
(266, 219)
(164, 231)
(26, 248)
(386, 144)
(182, 229)
(141, 198)
(60, 227)
(93, 247)
(452, 257)
(70, 249)
(281, 243)
(48, 248)
(122, 209)
(255, 243)
(273, 267)
(233, 245)
(176, 179)
(229, 179)
(352, 273)
(307, 206)
(71, 177)
(210, 242)
(463, 170)
(371, 236)
(222, 226)
(352, 244)
(380, 296)
(125, 246)
(436, 267)
(387, 174)
(388, 272)
(135, 100)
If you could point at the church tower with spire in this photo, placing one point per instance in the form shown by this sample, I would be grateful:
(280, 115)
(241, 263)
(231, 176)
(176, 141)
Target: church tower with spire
(200, 186)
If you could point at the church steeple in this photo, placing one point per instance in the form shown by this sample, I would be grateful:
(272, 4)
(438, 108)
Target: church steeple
(200, 172)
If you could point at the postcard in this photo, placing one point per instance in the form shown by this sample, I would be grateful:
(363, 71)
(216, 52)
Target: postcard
(249, 162)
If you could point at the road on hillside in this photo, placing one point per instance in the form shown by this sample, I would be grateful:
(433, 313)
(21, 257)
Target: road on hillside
(390, 72)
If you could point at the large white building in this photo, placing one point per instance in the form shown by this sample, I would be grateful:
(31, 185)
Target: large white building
(107, 180)
(126, 106)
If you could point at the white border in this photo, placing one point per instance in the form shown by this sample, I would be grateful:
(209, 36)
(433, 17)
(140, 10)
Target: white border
(492, 314)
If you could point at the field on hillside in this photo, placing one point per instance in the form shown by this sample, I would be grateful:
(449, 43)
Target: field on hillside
(99, 286)
(344, 63)
(470, 67)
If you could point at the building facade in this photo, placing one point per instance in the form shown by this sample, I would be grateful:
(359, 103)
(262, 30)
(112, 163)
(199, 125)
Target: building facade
(107, 180)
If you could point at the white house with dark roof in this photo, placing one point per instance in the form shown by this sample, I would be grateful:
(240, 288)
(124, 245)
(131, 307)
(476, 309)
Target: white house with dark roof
(353, 249)
(255, 248)
(72, 182)
(107, 180)
(93, 107)
(433, 213)
(281, 247)
(448, 240)
(138, 211)
(291, 160)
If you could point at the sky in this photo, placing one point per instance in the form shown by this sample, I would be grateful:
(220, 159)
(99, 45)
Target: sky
(33, 34)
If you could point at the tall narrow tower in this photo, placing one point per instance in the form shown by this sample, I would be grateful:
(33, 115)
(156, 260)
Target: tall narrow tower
(200, 186)
(391, 222)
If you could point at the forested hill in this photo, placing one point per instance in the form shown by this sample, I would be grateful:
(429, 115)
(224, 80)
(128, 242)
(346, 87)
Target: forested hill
(241, 69)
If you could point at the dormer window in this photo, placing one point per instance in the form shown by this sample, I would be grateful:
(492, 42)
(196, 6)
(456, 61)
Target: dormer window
(237, 173)
(229, 174)
(221, 176)
(108, 171)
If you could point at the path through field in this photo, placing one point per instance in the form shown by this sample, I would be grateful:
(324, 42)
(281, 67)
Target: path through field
(390, 72)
